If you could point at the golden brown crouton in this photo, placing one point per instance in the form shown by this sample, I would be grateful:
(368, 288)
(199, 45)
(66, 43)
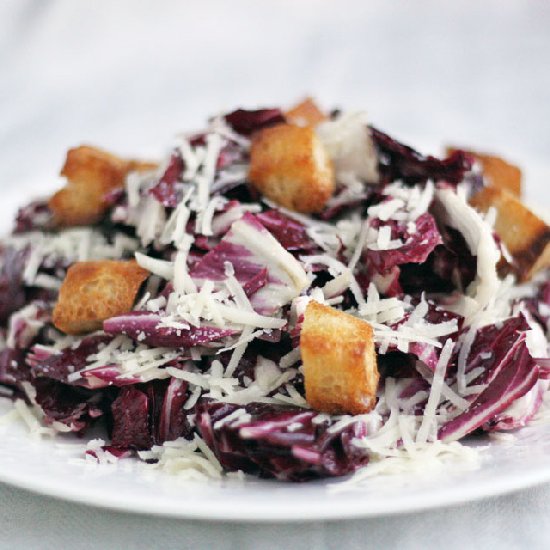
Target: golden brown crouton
(339, 361)
(498, 172)
(305, 113)
(95, 291)
(91, 174)
(290, 166)
(526, 236)
(136, 165)
(75, 205)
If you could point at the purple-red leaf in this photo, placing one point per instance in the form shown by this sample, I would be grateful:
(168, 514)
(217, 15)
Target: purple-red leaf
(397, 161)
(131, 428)
(76, 408)
(143, 327)
(511, 378)
(165, 190)
(280, 441)
(290, 233)
(60, 365)
(246, 122)
(417, 246)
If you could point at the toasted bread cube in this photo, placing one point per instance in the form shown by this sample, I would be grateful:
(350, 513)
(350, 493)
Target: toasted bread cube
(305, 113)
(92, 166)
(500, 173)
(526, 236)
(290, 166)
(339, 361)
(95, 291)
(73, 205)
(497, 171)
(137, 165)
(91, 174)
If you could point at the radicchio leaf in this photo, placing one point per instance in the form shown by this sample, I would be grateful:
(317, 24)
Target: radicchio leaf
(492, 346)
(254, 264)
(165, 190)
(521, 412)
(416, 248)
(76, 408)
(150, 414)
(246, 122)
(12, 291)
(400, 162)
(511, 373)
(25, 325)
(280, 441)
(35, 216)
(13, 369)
(427, 353)
(173, 418)
(131, 428)
(290, 233)
(58, 366)
(539, 305)
(143, 327)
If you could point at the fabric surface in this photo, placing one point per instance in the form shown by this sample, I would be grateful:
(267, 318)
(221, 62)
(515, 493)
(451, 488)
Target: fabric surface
(127, 75)
(514, 522)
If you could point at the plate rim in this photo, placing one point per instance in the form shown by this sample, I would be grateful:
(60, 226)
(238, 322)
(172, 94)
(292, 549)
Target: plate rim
(253, 512)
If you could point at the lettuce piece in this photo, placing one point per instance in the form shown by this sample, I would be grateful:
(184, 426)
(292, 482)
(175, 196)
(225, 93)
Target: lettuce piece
(280, 441)
(397, 161)
(143, 327)
(509, 373)
(246, 122)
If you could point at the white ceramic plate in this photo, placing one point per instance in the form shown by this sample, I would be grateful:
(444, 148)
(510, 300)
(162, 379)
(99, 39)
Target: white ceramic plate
(44, 467)
(48, 467)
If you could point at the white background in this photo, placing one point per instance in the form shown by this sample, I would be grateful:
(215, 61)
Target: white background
(128, 75)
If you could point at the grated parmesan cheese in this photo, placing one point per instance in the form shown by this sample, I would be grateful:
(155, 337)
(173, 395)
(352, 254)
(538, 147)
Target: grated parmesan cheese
(349, 144)
(429, 421)
(457, 213)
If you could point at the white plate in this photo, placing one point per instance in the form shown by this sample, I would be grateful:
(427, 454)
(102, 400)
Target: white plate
(41, 466)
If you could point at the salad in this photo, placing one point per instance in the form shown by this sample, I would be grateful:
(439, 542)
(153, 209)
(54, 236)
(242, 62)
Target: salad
(289, 294)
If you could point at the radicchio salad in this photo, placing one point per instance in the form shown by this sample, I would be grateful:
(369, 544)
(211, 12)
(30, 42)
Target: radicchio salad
(288, 294)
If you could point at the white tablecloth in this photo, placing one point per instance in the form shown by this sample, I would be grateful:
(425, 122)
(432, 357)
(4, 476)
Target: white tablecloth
(520, 521)
(128, 75)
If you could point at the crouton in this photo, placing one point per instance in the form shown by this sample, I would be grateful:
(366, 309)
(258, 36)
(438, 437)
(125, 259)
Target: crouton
(305, 113)
(526, 236)
(339, 361)
(290, 166)
(91, 174)
(137, 165)
(75, 205)
(95, 291)
(497, 171)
